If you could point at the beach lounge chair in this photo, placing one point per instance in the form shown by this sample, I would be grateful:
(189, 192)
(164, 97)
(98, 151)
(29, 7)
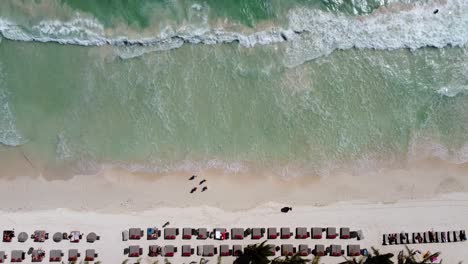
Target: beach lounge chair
(354, 250)
(55, 255)
(17, 256)
(135, 233)
(187, 233)
(317, 232)
(40, 236)
(220, 234)
(257, 232)
(75, 236)
(462, 235)
(154, 251)
(206, 250)
(237, 233)
(187, 251)
(224, 251)
(170, 233)
(90, 255)
(285, 233)
(73, 255)
(304, 250)
(135, 251)
(272, 233)
(385, 239)
(345, 233)
(404, 238)
(37, 255)
(455, 236)
(168, 251)
(272, 249)
(301, 233)
(418, 238)
(2, 257)
(287, 250)
(237, 250)
(8, 235)
(335, 251)
(331, 233)
(92, 237)
(202, 233)
(22, 237)
(152, 233)
(319, 250)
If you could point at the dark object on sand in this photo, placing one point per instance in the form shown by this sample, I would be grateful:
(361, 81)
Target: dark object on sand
(193, 177)
(204, 189)
(436, 11)
(166, 224)
(193, 190)
(286, 209)
(202, 181)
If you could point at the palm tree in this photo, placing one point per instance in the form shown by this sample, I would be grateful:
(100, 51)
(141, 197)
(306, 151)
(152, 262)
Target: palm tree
(411, 259)
(255, 254)
(296, 259)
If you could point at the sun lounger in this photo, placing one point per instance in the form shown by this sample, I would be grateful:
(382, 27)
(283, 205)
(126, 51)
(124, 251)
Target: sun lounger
(272, 249)
(404, 239)
(301, 233)
(135, 251)
(187, 251)
(418, 238)
(37, 255)
(237, 233)
(22, 237)
(168, 250)
(257, 233)
(331, 233)
(345, 233)
(236, 250)
(55, 255)
(17, 256)
(319, 250)
(285, 233)
(462, 235)
(224, 250)
(40, 236)
(335, 251)
(75, 236)
(152, 233)
(385, 239)
(272, 233)
(73, 255)
(8, 235)
(206, 250)
(304, 250)
(220, 234)
(154, 251)
(170, 233)
(135, 233)
(354, 250)
(287, 250)
(202, 233)
(317, 232)
(187, 233)
(2, 256)
(90, 255)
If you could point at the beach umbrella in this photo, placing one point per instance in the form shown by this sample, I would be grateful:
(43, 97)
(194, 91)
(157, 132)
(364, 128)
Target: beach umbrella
(57, 237)
(22, 237)
(91, 237)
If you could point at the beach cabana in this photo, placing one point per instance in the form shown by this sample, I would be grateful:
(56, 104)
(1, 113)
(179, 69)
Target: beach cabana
(317, 232)
(170, 233)
(90, 255)
(345, 233)
(152, 233)
(319, 250)
(17, 256)
(92, 237)
(272, 249)
(354, 250)
(287, 250)
(75, 236)
(135, 233)
(285, 233)
(55, 255)
(2, 256)
(187, 251)
(224, 250)
(187, 233)
(237, 250)
(135, 251)
(37, 255)
(257, 232)
(169, 250)
(304, 250)
(40, 236)
(73, 255)
(154, 251)
(301, 233)
(220, 234)
(57, 237)
(237, 233)
(22, 237)
(331, 233)
(272, 233)
(8, 235)
(202, 233)
(335, 251)
(206, 250)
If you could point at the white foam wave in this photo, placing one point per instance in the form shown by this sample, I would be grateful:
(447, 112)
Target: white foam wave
(452, 91)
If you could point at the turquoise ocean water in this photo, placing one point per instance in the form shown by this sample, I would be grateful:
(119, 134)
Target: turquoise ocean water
(295, 87)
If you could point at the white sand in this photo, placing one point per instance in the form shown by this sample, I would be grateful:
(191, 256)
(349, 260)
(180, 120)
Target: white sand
(448, 212)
